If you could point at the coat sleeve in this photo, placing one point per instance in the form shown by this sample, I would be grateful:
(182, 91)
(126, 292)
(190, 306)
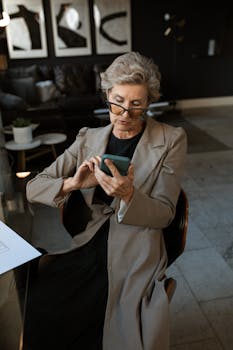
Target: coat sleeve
(156, 208)
(45, 187)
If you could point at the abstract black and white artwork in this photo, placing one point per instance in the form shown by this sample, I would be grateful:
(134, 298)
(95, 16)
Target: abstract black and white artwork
(26, 35)
(71, 27)
(112, 26)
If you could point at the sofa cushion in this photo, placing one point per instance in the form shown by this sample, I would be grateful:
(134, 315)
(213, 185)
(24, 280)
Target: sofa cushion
(98, 69)
(45, 72)
(86, 103)
(12, 102)
(22, 72)
(74, 79)
(47, 90)
(21, 81)
(24, 88)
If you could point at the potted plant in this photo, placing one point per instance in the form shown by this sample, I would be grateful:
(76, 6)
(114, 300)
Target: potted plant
(22, 130)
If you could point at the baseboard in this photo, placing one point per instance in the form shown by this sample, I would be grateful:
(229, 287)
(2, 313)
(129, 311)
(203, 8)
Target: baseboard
(205, 102)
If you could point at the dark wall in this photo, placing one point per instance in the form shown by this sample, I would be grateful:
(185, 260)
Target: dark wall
(187, 70)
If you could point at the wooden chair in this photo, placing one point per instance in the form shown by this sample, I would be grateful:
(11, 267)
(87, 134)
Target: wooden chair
(174, 234)
(175, 238)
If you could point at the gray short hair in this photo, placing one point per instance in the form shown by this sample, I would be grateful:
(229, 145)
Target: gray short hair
(133, 68)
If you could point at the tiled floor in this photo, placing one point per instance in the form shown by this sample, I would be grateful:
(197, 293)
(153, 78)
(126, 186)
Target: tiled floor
(202, 307)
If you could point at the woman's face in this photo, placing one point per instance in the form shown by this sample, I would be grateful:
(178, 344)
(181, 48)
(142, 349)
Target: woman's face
(128, 124)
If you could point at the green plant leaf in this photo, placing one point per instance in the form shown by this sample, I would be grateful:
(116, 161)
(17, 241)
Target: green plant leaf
(21, 122)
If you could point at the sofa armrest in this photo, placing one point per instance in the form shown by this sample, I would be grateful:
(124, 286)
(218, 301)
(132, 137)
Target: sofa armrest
(12, 102)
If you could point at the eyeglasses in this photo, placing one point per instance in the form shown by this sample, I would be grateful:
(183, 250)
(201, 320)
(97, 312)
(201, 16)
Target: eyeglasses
(134, 112)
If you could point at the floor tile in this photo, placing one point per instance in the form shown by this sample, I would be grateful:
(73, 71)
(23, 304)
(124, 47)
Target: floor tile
(188, 323)
(220, 314)
(208, 212)
(220, 237)
(209, 344)
(207, 274)
(195, 238)
(173, 271)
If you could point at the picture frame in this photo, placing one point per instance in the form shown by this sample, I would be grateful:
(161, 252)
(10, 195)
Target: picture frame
(71, 27)
(26, 33)
(112, 26)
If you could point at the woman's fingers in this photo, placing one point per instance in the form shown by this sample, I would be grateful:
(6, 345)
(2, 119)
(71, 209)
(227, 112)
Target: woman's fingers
(90, 163)
(112, 167)
(131, 171)
(115, 185)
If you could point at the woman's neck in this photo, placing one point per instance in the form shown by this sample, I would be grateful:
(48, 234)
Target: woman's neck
(127, 134)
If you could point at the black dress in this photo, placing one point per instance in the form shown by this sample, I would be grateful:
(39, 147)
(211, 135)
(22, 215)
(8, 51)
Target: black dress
(66, 303)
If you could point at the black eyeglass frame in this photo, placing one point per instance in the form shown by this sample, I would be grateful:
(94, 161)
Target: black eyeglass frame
(109, 103)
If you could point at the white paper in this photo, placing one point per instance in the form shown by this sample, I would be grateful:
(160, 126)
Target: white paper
(14, 250)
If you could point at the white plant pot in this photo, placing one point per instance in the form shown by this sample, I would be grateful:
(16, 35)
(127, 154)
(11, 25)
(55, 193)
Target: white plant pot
(22, 134)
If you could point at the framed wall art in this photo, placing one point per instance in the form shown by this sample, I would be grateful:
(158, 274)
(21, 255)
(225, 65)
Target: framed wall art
(71, 27)
(26, 34)
(112, 26)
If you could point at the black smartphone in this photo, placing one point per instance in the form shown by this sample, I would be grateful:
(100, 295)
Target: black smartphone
(122, 164)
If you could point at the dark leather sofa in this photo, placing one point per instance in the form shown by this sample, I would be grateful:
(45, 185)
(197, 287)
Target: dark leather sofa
(59, 98)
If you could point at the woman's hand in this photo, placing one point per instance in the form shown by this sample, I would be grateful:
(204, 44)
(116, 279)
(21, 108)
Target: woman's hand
(115, 185)
(83, 178)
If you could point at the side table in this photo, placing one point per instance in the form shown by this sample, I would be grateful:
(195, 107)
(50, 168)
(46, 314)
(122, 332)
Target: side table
(50, 140)
(21, 148)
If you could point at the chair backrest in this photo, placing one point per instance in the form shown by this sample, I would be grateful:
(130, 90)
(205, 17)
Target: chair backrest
(75, 215)
(175, 233)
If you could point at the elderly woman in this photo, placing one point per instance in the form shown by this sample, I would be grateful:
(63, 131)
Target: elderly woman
(107, 292)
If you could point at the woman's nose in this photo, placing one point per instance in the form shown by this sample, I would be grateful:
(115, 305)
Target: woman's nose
(126, 112)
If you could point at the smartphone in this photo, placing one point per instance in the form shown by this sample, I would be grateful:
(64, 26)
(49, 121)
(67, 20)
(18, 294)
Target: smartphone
(122, 164)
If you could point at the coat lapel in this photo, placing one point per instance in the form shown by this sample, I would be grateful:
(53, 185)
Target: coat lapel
(98, 141)
(96, 146)
(148, 151)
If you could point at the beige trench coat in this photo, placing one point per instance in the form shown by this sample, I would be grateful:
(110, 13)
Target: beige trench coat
(137, 315)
